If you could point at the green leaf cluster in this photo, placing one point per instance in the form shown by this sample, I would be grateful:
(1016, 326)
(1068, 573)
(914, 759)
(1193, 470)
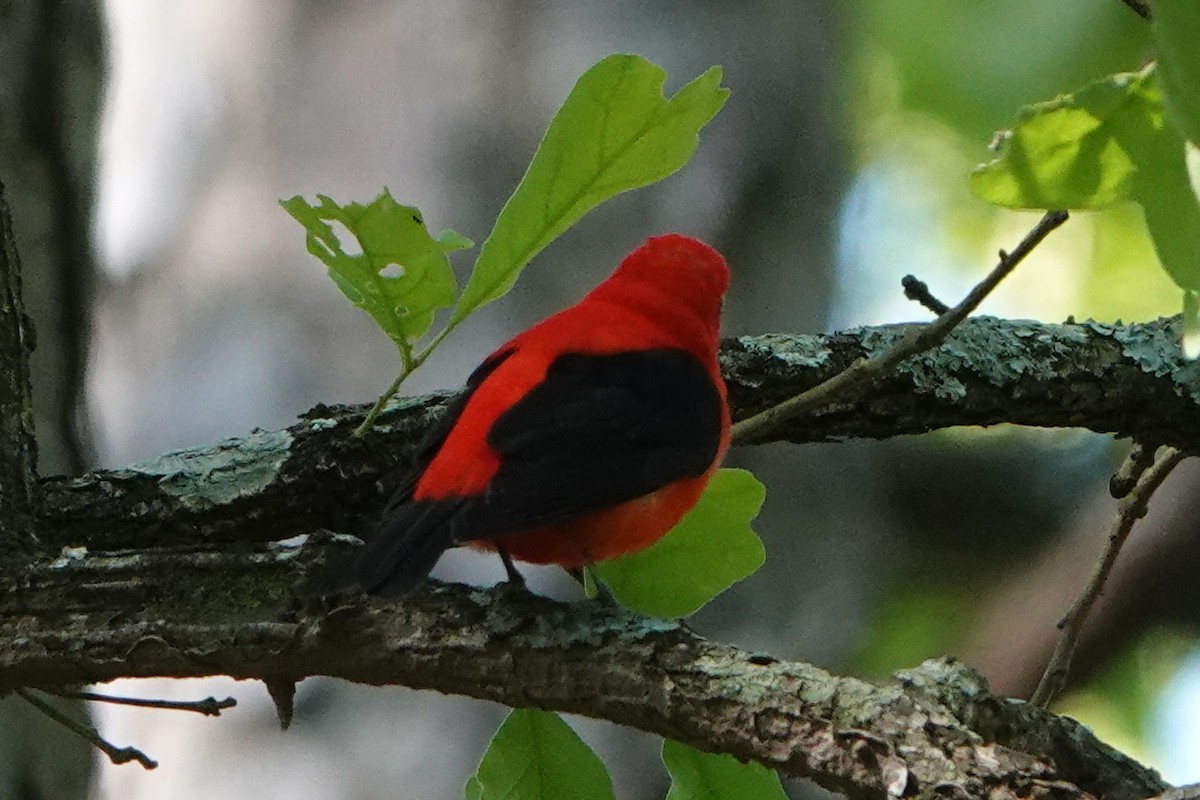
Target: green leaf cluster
(615, 132)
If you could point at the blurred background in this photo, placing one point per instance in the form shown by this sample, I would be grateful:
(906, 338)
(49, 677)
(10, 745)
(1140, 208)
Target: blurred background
(145, 143)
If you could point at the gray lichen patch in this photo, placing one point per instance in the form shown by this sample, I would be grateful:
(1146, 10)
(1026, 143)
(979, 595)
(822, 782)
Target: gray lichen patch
(202, 478)
(1156, 351)
(803, 351)
(1002, 352)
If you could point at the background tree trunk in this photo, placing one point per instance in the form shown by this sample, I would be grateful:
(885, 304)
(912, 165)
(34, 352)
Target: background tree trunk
(51, 72)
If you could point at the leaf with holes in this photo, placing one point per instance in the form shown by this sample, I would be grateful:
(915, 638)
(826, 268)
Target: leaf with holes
(401, 275)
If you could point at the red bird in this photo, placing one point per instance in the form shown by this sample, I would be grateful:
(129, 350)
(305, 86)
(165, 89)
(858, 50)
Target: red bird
(586, 437)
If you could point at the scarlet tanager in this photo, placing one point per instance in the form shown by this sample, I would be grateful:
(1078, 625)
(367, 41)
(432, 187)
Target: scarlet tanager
(586, 437)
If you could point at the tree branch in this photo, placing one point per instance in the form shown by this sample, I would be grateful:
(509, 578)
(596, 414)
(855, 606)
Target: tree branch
(1130, 380)
(849, 385)
(171, 571)
(934, 732)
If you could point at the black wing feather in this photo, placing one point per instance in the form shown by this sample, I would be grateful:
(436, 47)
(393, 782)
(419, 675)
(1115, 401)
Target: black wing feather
(598, 431)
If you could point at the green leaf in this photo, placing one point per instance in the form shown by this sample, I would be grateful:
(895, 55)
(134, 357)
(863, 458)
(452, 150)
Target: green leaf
(615, 132)
(706, 776)
(401, 277)
(1077, 151)
(536, 756)
(1108, 142)
(710, 549)
(1177, 34)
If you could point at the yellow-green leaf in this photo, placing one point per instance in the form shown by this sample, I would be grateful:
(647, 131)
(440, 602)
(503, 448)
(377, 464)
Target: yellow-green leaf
(1077, 151)
(615, 132)
(400, 274)
(711, 549)
(1177, 37)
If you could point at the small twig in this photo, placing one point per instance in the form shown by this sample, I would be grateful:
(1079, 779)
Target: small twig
(117, 755)
(282, 690)
(847, 384)
(1140, 7)
(916, 289)
(1131, 508)
(1136, 462)
(209, 706)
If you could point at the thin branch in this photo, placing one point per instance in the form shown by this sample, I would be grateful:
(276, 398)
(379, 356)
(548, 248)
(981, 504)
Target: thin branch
(1139, 459)
(1131, 508)
(918, 291)
(846, 387)
(117, 755)
(209, 706)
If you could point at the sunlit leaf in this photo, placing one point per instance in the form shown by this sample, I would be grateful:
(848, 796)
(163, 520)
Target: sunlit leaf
(615, 132)
(1177, 40)
(1077, 151)
(1110, 141)
(708, 776)
(536, 756)
(711, 548)
(397, 273)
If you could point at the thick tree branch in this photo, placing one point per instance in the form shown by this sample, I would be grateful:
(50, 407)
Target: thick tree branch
(167, 569)
(18, 448)
(936, 732)
(1130, 380)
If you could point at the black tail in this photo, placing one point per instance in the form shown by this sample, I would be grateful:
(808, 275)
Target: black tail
(410, 540)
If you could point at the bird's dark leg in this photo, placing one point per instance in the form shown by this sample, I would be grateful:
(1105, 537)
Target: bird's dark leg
(514, 577)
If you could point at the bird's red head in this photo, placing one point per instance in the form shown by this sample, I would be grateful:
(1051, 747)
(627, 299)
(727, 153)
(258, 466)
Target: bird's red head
(672, 278)
(693, 271)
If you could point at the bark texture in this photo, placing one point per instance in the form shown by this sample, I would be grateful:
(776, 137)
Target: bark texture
(189, 565)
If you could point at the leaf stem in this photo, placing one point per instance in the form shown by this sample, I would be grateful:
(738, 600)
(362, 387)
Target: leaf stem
(407, 365)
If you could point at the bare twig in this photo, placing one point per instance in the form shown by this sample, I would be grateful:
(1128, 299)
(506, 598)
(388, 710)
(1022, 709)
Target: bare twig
(1131, 508)
(1136, 462)
(916, 289)
(1140, 7)
(282, 690)
(117, 755)
(209, 706)
(846, 386)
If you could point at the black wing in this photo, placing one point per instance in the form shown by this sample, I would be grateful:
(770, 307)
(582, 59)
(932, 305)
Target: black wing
(598, 431)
